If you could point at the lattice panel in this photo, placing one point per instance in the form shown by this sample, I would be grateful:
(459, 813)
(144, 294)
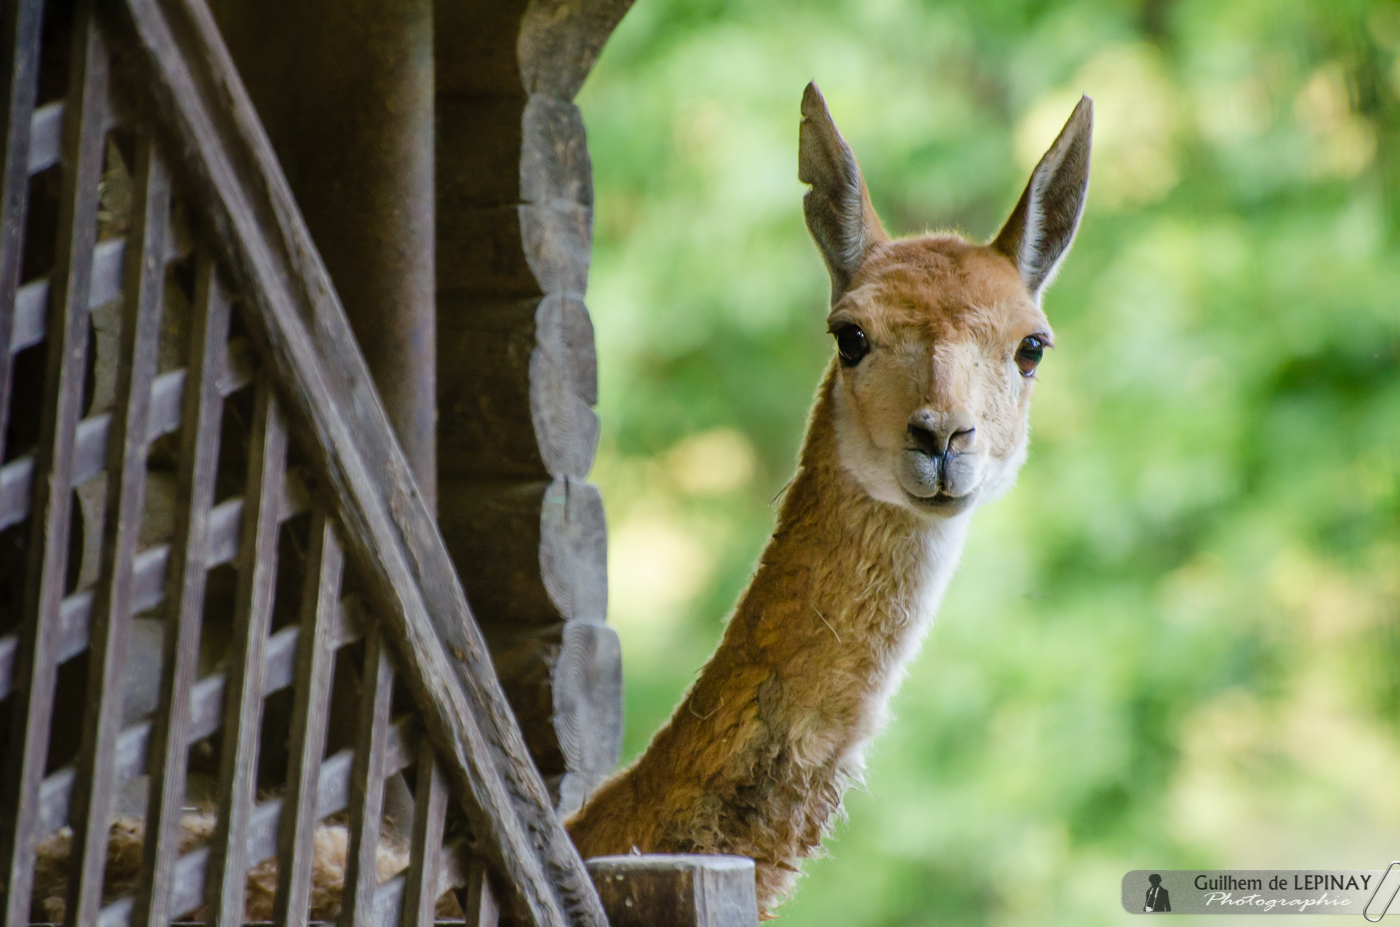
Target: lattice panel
(193, 688)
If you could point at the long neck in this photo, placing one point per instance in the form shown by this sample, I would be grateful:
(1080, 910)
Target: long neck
(756, 756)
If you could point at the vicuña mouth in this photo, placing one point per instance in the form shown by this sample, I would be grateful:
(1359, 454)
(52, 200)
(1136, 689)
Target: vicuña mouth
(943, 502)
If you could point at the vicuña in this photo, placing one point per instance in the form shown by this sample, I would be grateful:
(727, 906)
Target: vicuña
(921, 417)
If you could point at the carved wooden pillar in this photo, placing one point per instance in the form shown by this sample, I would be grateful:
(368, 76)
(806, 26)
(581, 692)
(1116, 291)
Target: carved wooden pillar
(517, 377)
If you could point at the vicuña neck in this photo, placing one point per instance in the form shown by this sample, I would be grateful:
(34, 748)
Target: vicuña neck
(757, 755)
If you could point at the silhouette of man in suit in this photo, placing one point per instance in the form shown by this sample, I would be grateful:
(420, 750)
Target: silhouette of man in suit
(1157, 899)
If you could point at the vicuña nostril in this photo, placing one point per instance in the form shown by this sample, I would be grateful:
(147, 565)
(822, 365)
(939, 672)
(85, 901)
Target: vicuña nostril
(927, 441)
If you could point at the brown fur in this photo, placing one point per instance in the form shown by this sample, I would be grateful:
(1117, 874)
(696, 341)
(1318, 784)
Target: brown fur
(756, 757)
(124, 854)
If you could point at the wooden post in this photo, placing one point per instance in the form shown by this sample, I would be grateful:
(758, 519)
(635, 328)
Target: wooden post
(345, 90)
(517, 375)
(679, 890)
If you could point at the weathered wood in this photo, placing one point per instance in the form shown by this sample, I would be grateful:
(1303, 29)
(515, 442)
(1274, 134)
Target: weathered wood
(389, 535)
(519, 431)
(45, 137)
(502, 154)
(206, 714)
(425, 848)
(522, 407)
(19, 36)
(533, 553)
(243, 696)
(392, 896)
(105, 285)
(95, 796)
(367, 784)
(148, 590)
(37, 669)
(478, 902)
(515, 250)
(353, 126)
(588, 720)
(90, 445)
(566, 681)
(199, 457)
(191, 870)
(514, 47)
(676, 890)
(560, 41)
(311, 708)
(483, 61)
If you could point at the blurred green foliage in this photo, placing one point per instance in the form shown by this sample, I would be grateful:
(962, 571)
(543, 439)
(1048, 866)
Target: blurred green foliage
(1176, 643)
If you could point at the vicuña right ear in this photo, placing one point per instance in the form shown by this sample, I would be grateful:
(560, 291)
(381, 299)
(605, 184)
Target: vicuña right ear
(1042, 226)
(838, 210)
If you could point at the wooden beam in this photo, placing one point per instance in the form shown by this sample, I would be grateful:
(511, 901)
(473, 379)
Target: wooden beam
(517, 428)
(678, 890)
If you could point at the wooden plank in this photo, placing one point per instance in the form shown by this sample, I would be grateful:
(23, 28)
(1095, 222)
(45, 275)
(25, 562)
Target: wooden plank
(310, 716)
(523, 409)
(95, 797)
(31, 302)
(208, 340)
(425, 848)
(586, 694)
(516, 250)
(37, 670)
(389, 535)
(243, 696)
(20, 31)
(533, 553)
(495, 153)
(90, 446)
(45, 137)
(367, 784)
(678, 890)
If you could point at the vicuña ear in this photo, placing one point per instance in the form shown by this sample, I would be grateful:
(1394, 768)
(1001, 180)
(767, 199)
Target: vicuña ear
(1042, 226)
(839, 214)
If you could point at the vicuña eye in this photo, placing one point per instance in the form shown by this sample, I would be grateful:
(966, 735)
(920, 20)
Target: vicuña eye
(851, 344)
(1030, 352)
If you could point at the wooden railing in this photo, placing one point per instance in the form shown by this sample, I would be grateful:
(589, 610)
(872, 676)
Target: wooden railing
(302, 575)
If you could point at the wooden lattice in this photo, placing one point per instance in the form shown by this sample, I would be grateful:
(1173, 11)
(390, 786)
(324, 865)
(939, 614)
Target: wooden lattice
(189, 449)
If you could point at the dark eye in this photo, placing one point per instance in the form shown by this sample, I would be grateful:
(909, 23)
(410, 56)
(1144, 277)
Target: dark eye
(1030, 352)
(851, 343)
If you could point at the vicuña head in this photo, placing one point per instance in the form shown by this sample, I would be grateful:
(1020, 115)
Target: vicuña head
(922, 416)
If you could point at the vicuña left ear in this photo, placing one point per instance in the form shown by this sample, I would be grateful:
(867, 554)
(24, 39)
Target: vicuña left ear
(838, 210)
(1042, 226)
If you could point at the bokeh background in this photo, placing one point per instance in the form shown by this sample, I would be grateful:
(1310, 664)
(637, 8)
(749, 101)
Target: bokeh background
(1176, 643)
